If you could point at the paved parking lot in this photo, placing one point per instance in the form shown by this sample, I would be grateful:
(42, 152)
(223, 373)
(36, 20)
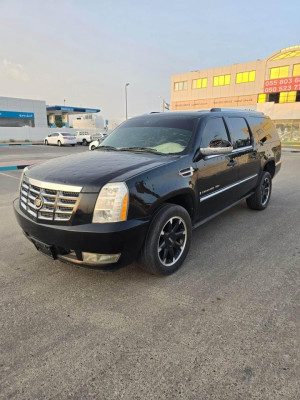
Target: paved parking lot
(14, 155)
(226, 326)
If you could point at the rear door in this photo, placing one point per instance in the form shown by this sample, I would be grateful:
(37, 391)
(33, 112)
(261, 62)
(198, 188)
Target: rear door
(216, 175)
(248, 161)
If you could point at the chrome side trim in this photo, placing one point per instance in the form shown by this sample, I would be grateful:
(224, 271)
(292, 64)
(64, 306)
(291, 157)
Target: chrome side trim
(52, 186)
(239, 150)
(208, 196)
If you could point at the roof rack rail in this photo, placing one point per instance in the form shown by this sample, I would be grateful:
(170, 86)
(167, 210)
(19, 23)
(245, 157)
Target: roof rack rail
(234, 109)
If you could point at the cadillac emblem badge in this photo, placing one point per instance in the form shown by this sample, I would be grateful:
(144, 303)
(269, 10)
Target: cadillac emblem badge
(38, 202)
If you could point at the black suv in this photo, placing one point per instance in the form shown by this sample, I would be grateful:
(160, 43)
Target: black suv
(154, 179)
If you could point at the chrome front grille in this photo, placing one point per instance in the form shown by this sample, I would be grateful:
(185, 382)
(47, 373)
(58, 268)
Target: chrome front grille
(48, 201)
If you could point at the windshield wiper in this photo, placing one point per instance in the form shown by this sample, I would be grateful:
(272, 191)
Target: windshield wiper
(142, 149)
(106, 148)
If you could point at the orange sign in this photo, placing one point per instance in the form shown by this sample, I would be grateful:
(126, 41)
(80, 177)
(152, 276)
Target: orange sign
(282, 85)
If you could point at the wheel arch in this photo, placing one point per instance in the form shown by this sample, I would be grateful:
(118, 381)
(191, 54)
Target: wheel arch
(270, 167)
(185, 198)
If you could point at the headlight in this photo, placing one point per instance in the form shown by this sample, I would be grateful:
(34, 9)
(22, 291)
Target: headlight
(112, 203)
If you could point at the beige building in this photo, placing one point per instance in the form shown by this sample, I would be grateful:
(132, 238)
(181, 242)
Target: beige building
(271, 85)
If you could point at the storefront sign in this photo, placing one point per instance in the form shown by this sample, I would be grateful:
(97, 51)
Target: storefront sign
(16, 114)
(282, 85)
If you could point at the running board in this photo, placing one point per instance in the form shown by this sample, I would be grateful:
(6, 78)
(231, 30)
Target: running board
(197, 224)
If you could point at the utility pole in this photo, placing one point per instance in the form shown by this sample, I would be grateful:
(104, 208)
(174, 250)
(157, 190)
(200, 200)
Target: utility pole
(127, 84)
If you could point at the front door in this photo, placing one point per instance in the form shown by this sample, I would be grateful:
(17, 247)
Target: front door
(217, 174)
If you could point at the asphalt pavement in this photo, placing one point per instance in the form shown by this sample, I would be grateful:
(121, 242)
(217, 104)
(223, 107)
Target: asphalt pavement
(225, 326)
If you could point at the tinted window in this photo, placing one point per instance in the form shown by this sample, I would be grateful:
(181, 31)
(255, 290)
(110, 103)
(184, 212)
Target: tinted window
(214, 129)
(240, 131)
(262, 127)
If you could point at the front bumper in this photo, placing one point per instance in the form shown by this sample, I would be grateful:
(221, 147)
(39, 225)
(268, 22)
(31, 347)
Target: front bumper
(69, 242)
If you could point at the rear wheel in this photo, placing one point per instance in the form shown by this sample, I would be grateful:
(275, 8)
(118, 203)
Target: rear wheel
(59, 143)
(261, 197)
(46, 142)
(84, 142)
(168, 240)
(72, 145)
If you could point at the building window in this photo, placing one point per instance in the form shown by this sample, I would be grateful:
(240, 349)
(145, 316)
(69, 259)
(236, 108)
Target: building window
(180, 86)
(262, 98)
(199, 83)
(296, 70)
(279, 72)
(287, 97)
(244, 77)
(221, 80)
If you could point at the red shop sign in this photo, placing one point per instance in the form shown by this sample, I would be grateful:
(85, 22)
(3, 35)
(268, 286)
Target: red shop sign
(282, 85)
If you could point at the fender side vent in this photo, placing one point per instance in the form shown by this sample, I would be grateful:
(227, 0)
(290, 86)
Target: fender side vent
(186, 172)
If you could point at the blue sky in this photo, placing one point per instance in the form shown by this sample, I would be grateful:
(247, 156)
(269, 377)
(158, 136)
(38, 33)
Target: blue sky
(85, 51)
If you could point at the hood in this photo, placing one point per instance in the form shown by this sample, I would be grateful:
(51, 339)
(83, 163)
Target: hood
(93, 169)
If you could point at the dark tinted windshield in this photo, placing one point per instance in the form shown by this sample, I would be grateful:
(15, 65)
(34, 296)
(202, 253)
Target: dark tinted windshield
(167, 135)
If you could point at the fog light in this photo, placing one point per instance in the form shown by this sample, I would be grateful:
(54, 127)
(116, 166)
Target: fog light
(94, 258)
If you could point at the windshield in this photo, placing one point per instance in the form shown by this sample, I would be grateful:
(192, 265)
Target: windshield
(164, 135)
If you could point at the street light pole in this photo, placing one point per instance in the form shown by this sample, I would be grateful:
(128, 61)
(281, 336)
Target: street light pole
(127, 84)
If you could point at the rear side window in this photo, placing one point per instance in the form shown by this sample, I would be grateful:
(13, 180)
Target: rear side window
(263, 128)
(241, 132)
(214, 129)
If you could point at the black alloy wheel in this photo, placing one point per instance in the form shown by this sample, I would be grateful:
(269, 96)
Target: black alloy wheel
(168, 240)
(172, 240)
(261, 197)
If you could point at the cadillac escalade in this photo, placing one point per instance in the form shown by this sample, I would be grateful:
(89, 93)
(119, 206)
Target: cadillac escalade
(150, 183)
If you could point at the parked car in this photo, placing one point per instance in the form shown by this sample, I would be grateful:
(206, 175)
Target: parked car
(140, 194)
(60, 139)
(94, 144)
(98, 140)
(83, 137)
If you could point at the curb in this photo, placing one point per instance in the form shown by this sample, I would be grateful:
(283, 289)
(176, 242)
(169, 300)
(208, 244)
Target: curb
(14, 167)
(21, 144)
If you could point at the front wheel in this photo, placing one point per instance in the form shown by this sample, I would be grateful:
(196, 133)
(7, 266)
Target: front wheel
(84, 142)
(93, 147)
(261, 197)
(168, 240)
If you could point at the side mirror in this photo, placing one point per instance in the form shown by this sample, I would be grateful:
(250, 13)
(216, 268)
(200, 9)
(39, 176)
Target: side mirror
(217, 147)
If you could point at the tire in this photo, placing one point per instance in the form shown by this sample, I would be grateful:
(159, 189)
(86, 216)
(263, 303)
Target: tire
(170, 219)
(84, 142)
(93, 147)
(72, 145)
(261, 197)
(46, 142)
(59, 143)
